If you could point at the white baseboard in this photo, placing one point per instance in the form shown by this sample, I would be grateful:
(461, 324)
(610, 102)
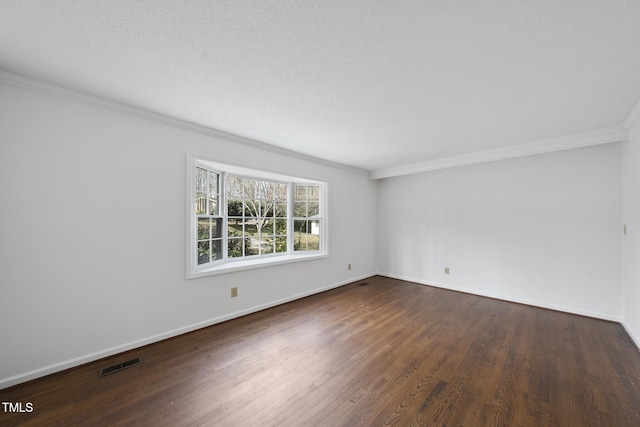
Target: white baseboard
(92, 357)
(635, 339)
(507, 298)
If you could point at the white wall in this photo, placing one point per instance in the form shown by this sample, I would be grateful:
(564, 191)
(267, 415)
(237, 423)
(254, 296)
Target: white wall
(631, 242)
(92, 234)
(543, 229)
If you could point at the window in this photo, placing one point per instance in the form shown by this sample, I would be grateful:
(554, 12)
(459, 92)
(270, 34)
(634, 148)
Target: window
(243, 218)
(208, 218)
(306, 217)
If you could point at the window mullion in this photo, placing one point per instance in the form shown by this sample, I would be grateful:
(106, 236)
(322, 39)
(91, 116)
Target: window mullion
(223, 213)
(290, 218)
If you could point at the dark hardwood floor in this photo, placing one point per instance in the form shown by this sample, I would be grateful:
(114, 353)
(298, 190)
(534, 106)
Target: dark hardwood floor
(387, 353)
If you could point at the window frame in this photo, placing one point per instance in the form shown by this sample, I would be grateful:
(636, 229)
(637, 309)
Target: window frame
(229, 264)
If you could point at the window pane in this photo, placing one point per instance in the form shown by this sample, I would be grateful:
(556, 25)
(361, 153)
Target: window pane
(267, 227)
(300, 226)
(251, 227)
(252, 246)
(213, 206)
(281, 226)
(314, 243)
(234, 248)
(266, 246)
(201, 180)
(234, 187)
(213, 184)
(300, 236)
(314, 228)
(234, 227)
(314, 209)
(300, 242)
(203, 228)
(201, 203)
(313, 192)
(250, 188)
(252, 207)
(234, 207)
(281, 192)
(203, 252)
(216, 227)
(281, 244)
(299, 209)
(216, 250)
(267, 190)
(299, 192)
(313, 238)
(281, 209)
(267, 208)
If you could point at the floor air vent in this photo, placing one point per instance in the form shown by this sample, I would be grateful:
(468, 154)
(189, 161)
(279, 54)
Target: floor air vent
(119, 367)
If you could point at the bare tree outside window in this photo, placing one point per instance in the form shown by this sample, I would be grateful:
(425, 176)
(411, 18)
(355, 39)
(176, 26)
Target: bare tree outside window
(257, 217)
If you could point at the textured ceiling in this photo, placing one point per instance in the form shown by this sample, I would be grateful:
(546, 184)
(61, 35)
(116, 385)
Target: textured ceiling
(370, 84)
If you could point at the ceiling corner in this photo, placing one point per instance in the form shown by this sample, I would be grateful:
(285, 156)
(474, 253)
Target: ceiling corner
(633, 117)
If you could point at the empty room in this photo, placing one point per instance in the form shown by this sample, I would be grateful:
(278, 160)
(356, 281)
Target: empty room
(323, 213)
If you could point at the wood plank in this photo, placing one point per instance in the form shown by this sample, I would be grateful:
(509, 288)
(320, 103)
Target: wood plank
(388, 353)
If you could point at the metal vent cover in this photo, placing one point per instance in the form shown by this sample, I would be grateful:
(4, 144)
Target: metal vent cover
(120, 366)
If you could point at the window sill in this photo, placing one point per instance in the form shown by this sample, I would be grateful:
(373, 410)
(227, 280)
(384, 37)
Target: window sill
(235, 266)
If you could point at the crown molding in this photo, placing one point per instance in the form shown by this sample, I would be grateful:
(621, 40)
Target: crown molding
(633, 118)
(567, 142)
(601, 136)
(107, 104)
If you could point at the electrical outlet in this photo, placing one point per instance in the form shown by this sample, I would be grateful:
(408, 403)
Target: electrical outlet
(234, 292)
(349, 267)
(446, 270)
(625, 229)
